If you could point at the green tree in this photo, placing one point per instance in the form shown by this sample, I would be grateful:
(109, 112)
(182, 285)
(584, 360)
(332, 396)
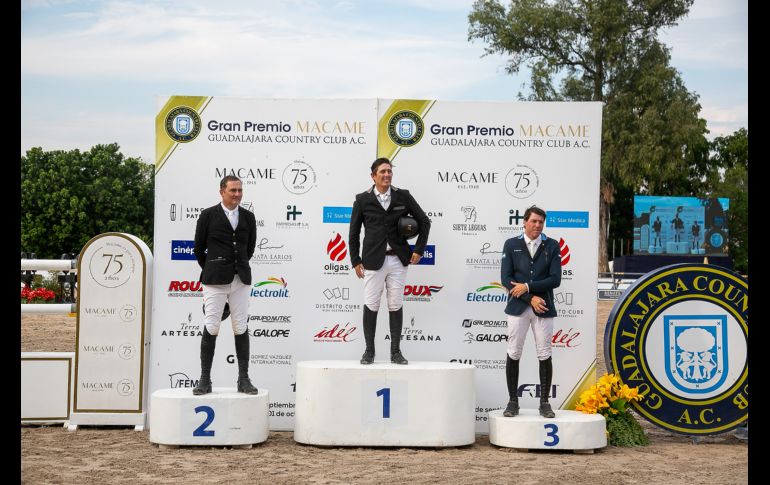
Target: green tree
(608, 51)
(729, 177)
(68, 197)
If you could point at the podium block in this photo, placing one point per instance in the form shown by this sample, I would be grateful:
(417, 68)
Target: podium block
(569, 430)
(223, 417)
(678, 247)
(344, 403)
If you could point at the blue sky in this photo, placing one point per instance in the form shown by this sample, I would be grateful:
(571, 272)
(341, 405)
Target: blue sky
(91, 70)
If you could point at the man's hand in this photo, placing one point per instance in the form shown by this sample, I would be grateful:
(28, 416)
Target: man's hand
(518, 289)
(415, 258)
(360, 270)
(538, 304)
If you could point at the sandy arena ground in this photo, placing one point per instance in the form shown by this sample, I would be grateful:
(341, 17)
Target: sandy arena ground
(91, 455)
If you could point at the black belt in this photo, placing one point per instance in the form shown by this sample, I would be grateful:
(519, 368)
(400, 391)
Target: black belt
(390, 252)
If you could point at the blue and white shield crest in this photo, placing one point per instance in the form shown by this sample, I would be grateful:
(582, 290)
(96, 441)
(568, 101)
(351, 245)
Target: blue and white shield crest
(405, 128)
(183, 124)
(696, 351)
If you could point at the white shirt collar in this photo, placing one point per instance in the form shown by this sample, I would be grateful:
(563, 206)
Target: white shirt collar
(228, 211)
(387, 192)
(528, 240)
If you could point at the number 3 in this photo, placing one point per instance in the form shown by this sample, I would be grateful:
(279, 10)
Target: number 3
(552, 430)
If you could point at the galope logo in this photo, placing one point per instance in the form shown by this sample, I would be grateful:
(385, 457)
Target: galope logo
(680, 334)
(183, 124)
(405, 128)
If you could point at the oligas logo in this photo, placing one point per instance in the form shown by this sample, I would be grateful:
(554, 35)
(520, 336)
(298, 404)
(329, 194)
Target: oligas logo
(337, 250)
(405, 128)
(182, 124)
(271, 291)
(494, 292)
(566, 257)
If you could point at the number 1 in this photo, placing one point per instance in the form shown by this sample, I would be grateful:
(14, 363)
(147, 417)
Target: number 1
(385, 393)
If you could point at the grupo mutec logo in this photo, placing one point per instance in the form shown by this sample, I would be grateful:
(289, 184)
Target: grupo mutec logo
(298, 177)
(405, 128)
(112, 264)
(183, 124)
(680, 334)
(521, 181)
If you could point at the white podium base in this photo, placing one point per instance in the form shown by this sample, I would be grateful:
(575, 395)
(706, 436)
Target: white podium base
(678, 247)
(344, 403)
(569, 430)
(136, 420)
(223, 417)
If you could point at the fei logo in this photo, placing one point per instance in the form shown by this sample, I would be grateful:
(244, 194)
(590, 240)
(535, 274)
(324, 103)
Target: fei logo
(182, 250)
(428, 256)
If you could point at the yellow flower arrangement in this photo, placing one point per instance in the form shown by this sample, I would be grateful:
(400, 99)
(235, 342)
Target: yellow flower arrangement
(610, 398)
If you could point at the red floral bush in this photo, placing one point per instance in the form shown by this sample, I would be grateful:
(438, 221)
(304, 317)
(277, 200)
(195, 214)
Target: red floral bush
(38, 295)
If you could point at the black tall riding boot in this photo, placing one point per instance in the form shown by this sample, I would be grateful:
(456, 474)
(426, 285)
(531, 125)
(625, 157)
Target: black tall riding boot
(370, 325)
(546, 374)
(396, 324)
(242, 352)
(208, 344)
(512, 380)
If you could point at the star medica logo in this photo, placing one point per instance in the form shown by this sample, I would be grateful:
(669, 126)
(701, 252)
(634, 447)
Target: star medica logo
(680, 335)
(269, 290)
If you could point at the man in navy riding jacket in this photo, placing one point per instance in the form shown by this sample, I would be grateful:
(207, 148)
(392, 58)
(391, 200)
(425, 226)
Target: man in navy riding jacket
(530, 270)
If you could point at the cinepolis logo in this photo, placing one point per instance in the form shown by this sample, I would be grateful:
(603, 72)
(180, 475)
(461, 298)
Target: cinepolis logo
(680, 333)
(492, 297)
(183, 124)
(405, 128)
(336, 248)
(271, 291)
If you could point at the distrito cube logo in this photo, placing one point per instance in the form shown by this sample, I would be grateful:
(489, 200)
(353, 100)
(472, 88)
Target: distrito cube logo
(337, 249)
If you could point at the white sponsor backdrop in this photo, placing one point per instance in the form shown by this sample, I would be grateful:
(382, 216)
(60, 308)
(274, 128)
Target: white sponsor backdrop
(475, 170)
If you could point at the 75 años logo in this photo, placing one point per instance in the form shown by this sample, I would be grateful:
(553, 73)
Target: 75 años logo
(681, 335)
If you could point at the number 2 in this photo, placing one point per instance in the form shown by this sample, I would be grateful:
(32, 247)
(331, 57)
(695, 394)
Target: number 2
(201, 430)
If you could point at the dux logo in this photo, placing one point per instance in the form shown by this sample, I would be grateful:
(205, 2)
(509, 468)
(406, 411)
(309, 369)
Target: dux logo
(564, 252)
(696, 350)
(337, 249)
